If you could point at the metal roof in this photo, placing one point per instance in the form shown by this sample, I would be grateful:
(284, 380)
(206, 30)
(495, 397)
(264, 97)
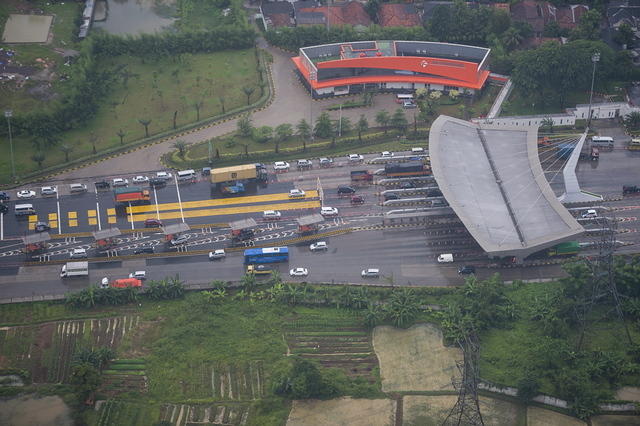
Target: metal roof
(36, 238)
(243, 224)
(492, 178)
(175, 228)
(310, 219)
(106, 233)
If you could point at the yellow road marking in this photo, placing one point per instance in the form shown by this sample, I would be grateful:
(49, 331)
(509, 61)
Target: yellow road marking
(111, 219)
(111, 212)
(53, 216)
(73, 222)
(32, 226)
(73, 215)
(217, 202)
(91, 213)
(53, 224)
(93, 221)
(33, 218)
(230, 210)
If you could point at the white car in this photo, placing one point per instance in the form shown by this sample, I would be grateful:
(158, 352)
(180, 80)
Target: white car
(281, 165)
(386, 154)
(417, 150)
(26, 194)
(303, 164)
(120, 182)
(329, 211)
(299, 272)
(296, 193)
(354, 158)
(217, 254)
(139, 275)
(320, 245)
(78, 253)
(164, 175)
(591, 213)
(371, 272)
(140, 179)
(48, 190)
(271, 215)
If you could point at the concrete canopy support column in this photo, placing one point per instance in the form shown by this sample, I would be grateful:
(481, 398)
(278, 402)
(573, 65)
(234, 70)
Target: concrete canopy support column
(572, 191)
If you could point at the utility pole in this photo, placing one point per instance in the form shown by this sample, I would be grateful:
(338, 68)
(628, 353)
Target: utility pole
(8, 113)
(595, 58)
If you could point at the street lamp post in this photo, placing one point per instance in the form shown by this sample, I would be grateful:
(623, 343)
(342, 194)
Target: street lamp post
(8, 113)
(595, 58)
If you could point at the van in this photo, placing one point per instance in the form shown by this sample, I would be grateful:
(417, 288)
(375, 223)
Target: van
(591, 213)
(77, 188)
(445, 258)
(602, 141)
(24, 209)
(404, 97)
(371, 272)
(185, 175)
(417, 150)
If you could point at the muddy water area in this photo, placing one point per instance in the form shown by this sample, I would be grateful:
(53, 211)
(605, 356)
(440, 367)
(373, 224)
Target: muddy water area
(134, 16)
(32, 410)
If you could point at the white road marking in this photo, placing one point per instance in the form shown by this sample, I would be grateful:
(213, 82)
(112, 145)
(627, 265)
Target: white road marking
(59, 217)
(155, 198)
(98, 213)
(175, 176)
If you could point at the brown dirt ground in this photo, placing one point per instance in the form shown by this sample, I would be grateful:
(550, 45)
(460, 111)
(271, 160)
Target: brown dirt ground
(134, 344)
(422, 410)
(414, 359)
(343, 412)
(628, 393)
(541, 417)
(615, 421)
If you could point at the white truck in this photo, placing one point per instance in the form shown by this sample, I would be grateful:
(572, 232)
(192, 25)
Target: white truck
(74, 269)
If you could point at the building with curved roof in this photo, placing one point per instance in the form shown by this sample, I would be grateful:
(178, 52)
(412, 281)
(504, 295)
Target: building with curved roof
(492, 178)
(344, 68)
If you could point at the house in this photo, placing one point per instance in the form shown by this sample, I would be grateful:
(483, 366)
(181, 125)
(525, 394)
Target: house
(347, 13)
(277, 14)
(398, 15)
(540, 13)
(624, 12)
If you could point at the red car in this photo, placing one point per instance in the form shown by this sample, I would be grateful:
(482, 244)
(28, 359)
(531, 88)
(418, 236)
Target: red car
(357, 199)
(152, 223)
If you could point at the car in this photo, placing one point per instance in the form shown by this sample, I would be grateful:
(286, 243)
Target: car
(281, 166)
(355, 158)
(326, 162)
(371, 272)
(407, 185)
(164, 175)
(357, 199)
(77, 188)
(152, 223)
(445, 258)
(329, 211)
(4, 196)
(409, 105)
(48, 190)
(102, 184)
(120, 182)
(217, 254)
(417, 150)
(25, 194)
(346, 190)
(467, 270)
(591, 213)
(141, 250)
(261, 166)
(299, 272)
(388, 197)
(386, 154)
(319, 246)
(157, 181)
(271, 215)
(179, 240)
(139, 275)
(78, 253)
(304, 164)
(140, 179)
(42, 227)
(296, 193)
(3, 208)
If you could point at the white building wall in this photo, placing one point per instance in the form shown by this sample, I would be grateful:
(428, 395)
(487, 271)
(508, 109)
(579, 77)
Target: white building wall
(325, 91)
(529, 120)
(399, 86)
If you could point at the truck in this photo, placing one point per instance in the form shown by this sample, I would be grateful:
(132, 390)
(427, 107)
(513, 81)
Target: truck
(132, 194)
(407, 169)
(634, 144)
(361, 176)
(74, 269)
(259, 269)
(630, 189)
(121, 283)
(564, 249)
(235, 173)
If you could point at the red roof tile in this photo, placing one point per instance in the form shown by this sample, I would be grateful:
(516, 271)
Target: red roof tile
(398, 15)
(350, 13)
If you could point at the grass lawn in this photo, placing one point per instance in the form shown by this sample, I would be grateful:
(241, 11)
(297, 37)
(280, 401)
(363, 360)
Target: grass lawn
(517, 104)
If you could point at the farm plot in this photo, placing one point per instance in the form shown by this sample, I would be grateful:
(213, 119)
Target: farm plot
(124, 375)
(421, 410)
(341, 344)
(414, 359)
(46, 350)
(343, 411)
(217, 414)
(610, 420)
(115, 413)
(541, 417)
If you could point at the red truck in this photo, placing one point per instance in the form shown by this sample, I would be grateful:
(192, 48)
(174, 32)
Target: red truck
(121, 283)
(361, 176)
(133, 194)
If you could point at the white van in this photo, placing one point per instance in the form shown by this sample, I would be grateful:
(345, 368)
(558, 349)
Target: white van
(24, 209)
(184, 175)
(77, 188)
(591, 213)
(602, 141)
(404, 97)
(445, 258)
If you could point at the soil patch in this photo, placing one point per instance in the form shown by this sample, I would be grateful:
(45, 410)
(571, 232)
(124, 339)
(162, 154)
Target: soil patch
(432, 410)
(414, 359)
(343, 412)
(27, 411)
(628, 393)
(541, 417)
(615, 421)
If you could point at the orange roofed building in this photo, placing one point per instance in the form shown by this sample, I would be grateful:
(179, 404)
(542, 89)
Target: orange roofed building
(345, 68)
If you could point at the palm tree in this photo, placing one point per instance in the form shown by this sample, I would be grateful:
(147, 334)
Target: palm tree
(145, 123)
(221, 98)
(181, 146)
(403, 307)
(197, 106)
(372, 315)
(632, 120)
(248, 90)
(248, 282)
(303, 130)
(548, 123)
(382, 118)
(361, 126)
(245, 128)
(38, 157)
(121, 135)
(66, 148)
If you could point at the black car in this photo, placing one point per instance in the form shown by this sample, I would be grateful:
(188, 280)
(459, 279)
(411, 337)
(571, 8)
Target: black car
(346, 190)
(102, 184)
(141, 250)
(4, 196)
(467, 270)
(407, 185)
(388, 197)
(157, 182)
(42, 227)
(3, 208)
(434, 193)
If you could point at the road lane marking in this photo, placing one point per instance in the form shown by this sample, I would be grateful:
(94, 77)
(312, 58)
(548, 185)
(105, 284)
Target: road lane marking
(1, 226)
(72, 215)
(93, 221)
(58, 215)
(53, 216)
(73, 223)
(230, 210)
(155, 200)
(98, 212)
(175, 176)
(53, 224)
(111, 211)
(91, 213)
(33, 218)
(111, 220)
(219, 202)
(131, 216)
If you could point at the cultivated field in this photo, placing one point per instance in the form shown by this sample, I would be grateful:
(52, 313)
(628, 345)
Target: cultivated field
(615, 421)
(124, 375)
(432, 410)
(414, 359)
(541, 417)
(217, 414)
(342, 412)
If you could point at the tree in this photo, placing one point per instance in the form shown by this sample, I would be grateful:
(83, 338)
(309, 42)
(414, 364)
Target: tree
(632, 120)
(399, 120)
(38, 157)
(145, 123)
(197, 105)
(342, 126)
(323, 128)
(512, 38)
(248, 91)
(361, 126)
(181, 146)
(284, 131)
(221, 98)
(589, 26)
(624, 35)
(121, 135)
(263, 134)
(528, 385)
(175, 118)
(299, 378)
(303, 130)
(403, 307)
(382, 118)
(66, 149)
(245, 127)
(548, 123)
(372, 315)
(85, 377)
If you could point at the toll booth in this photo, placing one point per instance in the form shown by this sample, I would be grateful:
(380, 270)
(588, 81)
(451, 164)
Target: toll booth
(242, 230)
(172, 231)
(106, 238)
(36, 243)
(309, 224)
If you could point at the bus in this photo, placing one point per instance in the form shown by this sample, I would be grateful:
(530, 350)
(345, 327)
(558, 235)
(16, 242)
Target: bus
(602, 141)
(266, 255)
(401, 98)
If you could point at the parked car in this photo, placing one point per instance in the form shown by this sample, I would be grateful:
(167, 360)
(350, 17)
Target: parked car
(345, 190)
(4, 196)
(140, 179)
(370, 273)
(152, 223)
(445, 258)
(467, 270)
(357, 199)
(120, 182)
(78, 253)
(271, 215)
(217, 254)
(102, 184)
(386, 154)
(180, 239)
(156, 181)
(326, 162)
(299, 272)
(407, 185)
(409, 105)
(281, 166)
(164, 175)
(77, 188)
(26, 194)
(141, 250)
(139, 275)
(296, 193)
(319, 246)
(329, 211)
(355, 158)
(434, 193)
(48, 190)
(42, 227)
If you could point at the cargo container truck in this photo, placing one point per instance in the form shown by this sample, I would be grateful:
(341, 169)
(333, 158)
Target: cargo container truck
(74, 269)
(133, 194)
(565, 249)
(407, 169)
